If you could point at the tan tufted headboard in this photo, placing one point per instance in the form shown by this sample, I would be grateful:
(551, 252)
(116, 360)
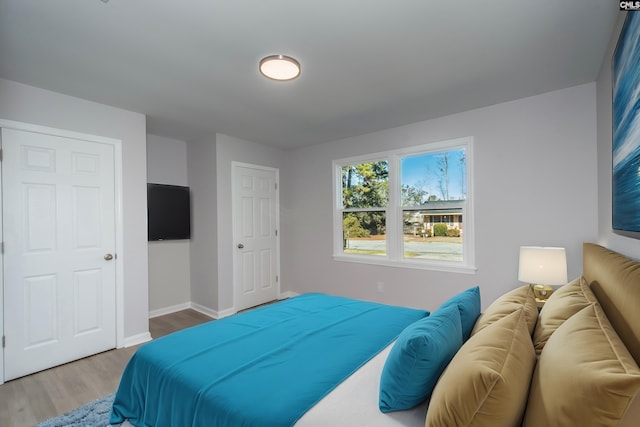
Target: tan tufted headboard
(615, 280)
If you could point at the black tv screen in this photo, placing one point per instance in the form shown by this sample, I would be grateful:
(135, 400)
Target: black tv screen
(168, 212)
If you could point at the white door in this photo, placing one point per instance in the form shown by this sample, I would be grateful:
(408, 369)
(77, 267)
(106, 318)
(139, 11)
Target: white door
(255, 217)
(59, 242)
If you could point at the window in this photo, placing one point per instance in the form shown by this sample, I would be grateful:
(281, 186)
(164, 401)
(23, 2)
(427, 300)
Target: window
(365, 198)
(406, 207)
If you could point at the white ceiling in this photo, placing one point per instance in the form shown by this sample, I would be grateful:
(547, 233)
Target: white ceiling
(192, 65)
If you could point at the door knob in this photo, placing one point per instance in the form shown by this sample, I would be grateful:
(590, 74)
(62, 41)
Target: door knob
(240, 246)
(108, 257)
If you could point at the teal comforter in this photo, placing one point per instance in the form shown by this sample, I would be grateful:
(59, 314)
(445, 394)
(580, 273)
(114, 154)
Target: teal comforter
(264, 367)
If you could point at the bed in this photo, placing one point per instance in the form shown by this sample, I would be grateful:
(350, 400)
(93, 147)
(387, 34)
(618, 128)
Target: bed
(267, 366)
(573, 363)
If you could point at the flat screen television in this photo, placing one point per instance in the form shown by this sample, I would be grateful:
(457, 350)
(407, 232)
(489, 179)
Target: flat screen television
(168, 212)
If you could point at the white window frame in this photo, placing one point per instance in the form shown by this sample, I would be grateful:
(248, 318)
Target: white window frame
(394, 254)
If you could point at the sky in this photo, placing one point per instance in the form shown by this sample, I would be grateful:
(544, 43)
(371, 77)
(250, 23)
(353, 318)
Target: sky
(422, 171)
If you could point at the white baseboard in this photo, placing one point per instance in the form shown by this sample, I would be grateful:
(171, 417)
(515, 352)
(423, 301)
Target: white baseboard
(193, 306)
(169, 310)
(207, 311)
(137, 339)
(215, 314)
(288, 294)
(226, 313)
(146, 336)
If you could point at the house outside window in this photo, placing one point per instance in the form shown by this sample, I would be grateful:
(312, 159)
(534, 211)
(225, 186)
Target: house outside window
(406, 207)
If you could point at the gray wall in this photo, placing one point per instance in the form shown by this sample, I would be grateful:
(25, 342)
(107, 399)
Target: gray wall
(542, 177)
(606, 236)
(201, 170)
(169, 270)
(231, 149)
(535, 184)
(209, 172)
(37, 106)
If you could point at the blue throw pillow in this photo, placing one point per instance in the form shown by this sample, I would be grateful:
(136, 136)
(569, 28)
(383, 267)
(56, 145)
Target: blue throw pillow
(468, 302)
(418, 358)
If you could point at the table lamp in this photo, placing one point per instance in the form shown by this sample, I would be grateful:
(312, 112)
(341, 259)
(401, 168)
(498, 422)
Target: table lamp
(542, 267)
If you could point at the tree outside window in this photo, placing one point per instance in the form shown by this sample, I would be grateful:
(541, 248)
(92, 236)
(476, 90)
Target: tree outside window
(365, 196)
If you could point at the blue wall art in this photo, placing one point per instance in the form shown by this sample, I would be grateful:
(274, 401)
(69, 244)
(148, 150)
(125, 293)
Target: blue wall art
(626, 129)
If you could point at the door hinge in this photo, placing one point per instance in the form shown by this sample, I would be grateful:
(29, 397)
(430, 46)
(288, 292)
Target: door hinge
(2, 248)
(0, 154)
(276, 185)
(276, 233)
(277, 278)
(4, 341)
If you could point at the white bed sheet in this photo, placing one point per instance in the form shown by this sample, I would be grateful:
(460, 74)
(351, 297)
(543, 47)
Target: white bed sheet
(354, 403)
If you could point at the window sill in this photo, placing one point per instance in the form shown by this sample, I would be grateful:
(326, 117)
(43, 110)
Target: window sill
(420, 265)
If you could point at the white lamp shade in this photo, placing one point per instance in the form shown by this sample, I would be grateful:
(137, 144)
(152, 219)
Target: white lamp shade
(542, 265)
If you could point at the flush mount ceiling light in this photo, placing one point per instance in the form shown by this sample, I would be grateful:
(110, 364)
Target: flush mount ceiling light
(279, 67)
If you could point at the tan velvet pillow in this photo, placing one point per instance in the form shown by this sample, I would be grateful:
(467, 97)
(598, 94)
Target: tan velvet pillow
(507, 304)
(587, 292)
(487, 382)
(585, 376)
(561, 305)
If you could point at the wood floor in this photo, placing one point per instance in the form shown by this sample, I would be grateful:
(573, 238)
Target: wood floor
(32, 399)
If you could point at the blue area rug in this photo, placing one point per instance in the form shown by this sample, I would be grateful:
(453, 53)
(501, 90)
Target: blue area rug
(94, 414)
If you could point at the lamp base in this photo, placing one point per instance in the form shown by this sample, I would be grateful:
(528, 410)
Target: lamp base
(542, 292)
